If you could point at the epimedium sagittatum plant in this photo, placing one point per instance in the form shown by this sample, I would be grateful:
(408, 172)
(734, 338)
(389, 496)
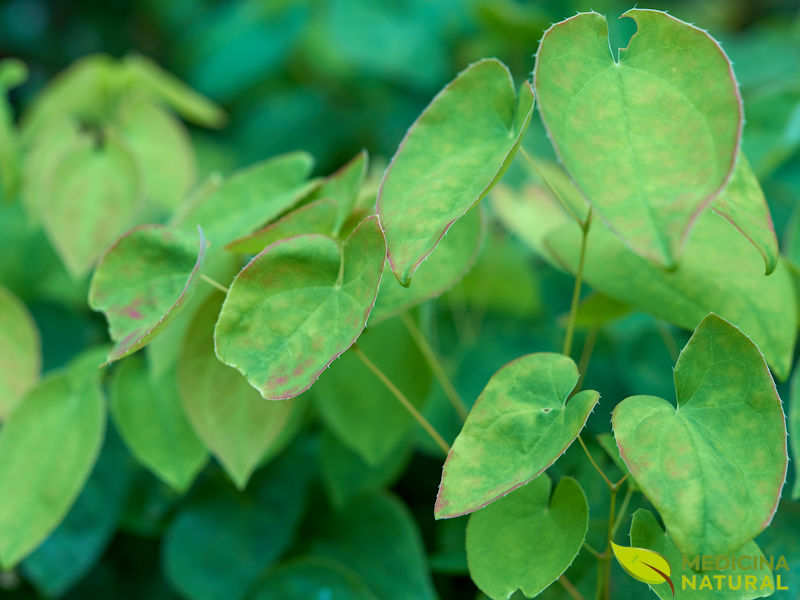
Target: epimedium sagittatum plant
(264, 295)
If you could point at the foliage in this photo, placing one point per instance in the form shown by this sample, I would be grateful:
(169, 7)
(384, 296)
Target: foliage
(294, 356)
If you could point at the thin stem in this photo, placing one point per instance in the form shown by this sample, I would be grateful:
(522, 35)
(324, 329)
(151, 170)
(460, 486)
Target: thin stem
(605, 565)
(623, 510)
(570, 588)
(435, 365)
(424, 423)
(576, 292)
(594, 464)
(592, 550)
(213, 282)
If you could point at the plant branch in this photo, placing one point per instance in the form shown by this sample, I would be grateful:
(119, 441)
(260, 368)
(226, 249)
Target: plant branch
(576, 291)
(669, 341)
(595, 465)
(214, 283)
(623, 510)
(570, 588)
(424, 423)
(604, 566)
(435, 365)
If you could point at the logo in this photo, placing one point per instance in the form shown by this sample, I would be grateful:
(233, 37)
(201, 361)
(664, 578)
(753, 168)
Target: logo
(644, 565)
(713, 573)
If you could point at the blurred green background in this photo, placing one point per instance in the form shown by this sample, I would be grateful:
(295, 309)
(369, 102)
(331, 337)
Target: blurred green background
(333, 77)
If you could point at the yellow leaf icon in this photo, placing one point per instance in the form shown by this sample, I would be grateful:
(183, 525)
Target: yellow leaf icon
(643, 564)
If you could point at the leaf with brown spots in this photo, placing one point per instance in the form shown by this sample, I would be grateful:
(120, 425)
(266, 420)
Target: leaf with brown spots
(142, 282)
(713, 465)
(297, 306)
(525, 418)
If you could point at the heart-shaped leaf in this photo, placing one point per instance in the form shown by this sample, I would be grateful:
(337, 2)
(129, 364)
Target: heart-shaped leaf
(763, 307)
(223, 539)
(142, 282)
(251, 197)
(694, 585)
(650, 139)
(356, 405)
(524, 419)
(713, 465)
(47, 449)
(454, 257)
(505, 541)
(149, 415)
(93, 194)
(742, 202)
(376, 537)
(297, 306)
(450, 157)
(232, 419)
(20, 352)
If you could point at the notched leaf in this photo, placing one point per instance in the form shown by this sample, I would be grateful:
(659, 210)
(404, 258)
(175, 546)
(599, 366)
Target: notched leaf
(647, 171)
(524, 419)
(697, 462)
(297, 306)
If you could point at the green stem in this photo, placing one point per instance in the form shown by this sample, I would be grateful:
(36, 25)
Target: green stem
(594, 464)
(669, 342)
(424, 423)
(213, 282)
(604, 566)
(570, 588)
(435, 365)
(586, 355)
(623, 510)
(576, 291)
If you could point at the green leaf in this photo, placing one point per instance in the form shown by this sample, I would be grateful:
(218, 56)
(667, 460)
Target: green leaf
(358, 407)
(93, 194)
(251, 197)
(505, 541)
(451, 156)
(597, 310)
(297, 306)
(328, 208)
(20, 352)
(647, 533)
(696, 462)
(762, 306)
(562, 188)
(457, 252)
(346, 475)
(318, 217)
(142, 282)
(377, 538)
(222, 539)
(47, 449)
(77, 543)
(144, 74)
(648, 171)
(149, 415)
(743, 204)
(233, 420)
(12, 73)
(607, 443)
(794, 429)
(524, 419)
(306, 578)
(162, 150)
